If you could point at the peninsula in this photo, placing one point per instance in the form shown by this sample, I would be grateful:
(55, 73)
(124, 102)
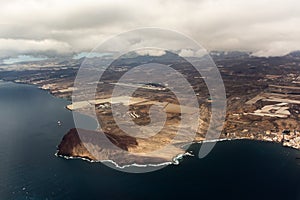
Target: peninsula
(263, 103)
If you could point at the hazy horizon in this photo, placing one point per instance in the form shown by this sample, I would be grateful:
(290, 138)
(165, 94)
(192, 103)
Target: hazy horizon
(51, 28)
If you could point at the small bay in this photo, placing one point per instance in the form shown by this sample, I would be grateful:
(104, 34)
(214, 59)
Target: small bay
(29, 135)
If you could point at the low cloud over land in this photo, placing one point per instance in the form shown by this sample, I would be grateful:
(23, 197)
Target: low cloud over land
(264, 27)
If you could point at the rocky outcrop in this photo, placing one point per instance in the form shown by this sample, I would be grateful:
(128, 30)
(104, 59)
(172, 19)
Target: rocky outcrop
(71, 145)
(96, 146)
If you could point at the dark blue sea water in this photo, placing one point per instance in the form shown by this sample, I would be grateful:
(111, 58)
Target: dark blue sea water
(29, 169)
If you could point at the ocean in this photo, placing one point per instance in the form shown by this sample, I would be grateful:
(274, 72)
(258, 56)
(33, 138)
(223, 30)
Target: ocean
(29, 169)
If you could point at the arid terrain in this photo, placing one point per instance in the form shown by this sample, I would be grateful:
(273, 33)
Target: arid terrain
(263, 103)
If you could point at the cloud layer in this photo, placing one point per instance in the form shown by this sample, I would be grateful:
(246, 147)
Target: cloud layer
(265, 27)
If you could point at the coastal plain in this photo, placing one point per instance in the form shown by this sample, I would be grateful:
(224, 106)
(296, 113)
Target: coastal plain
(263, 103)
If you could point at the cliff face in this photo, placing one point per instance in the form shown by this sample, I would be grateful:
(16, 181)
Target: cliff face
(94, 146)
(71, 145)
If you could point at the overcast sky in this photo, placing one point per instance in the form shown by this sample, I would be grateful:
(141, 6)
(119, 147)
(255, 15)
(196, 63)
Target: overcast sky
(265, 27)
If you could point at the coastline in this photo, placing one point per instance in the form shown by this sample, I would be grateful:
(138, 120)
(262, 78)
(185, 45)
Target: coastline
(176, 159)
(53, 95)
